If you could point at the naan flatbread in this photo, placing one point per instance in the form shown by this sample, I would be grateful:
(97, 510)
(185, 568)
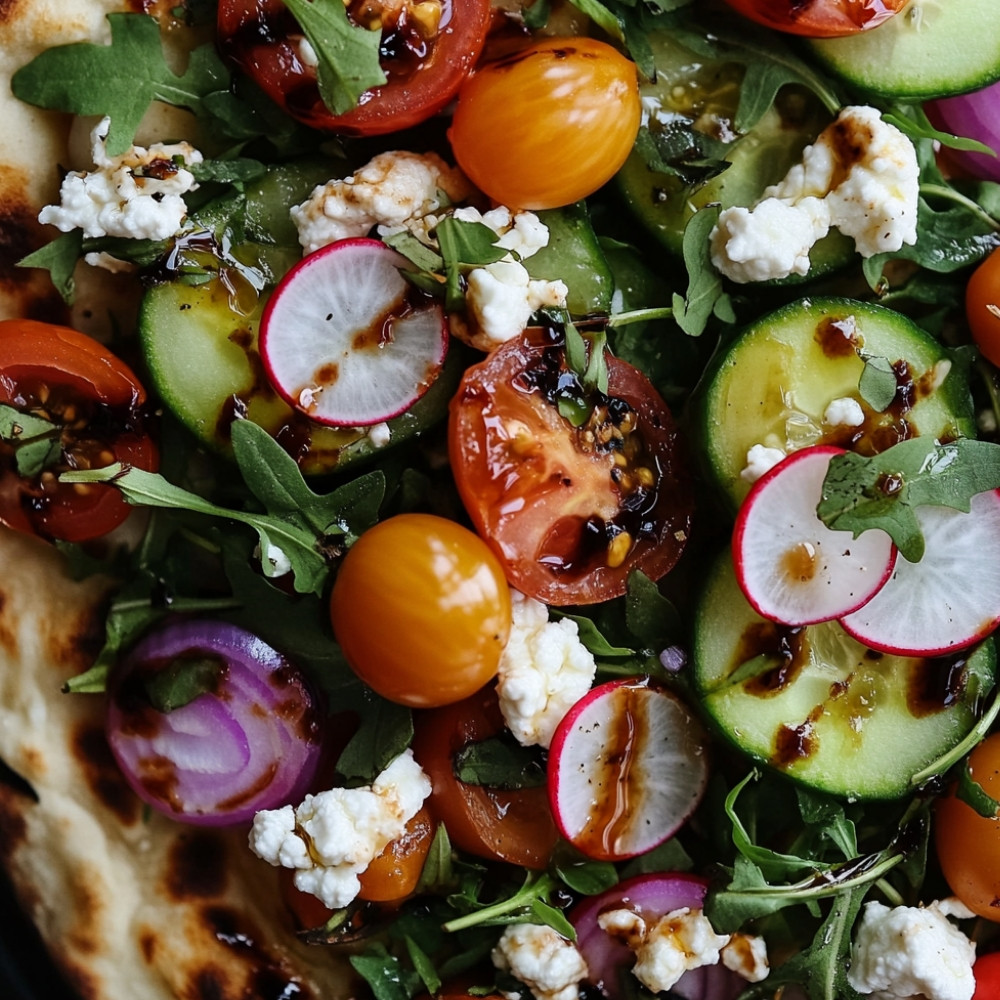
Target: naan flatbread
(131, 905)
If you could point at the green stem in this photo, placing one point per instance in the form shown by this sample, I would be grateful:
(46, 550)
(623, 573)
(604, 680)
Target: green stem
(535, 887)
(640, 316)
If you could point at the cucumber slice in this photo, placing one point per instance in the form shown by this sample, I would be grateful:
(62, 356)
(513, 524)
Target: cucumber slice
(818, 706)
(774, 383)
(931, 48)
(203, 361)
(692, 88)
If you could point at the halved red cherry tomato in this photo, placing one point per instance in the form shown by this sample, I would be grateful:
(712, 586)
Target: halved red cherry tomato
(569, 511)
(819, 18)
(982, 306)
(96, 404)
(987, 973)
(424, 62)
(504, 825)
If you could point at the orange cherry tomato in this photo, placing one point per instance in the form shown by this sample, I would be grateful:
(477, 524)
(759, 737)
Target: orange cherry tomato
(548, 124)
(513, 825)
(982, 307)
(968, 845)
(819, 18)
(394, 874)
(97, 405)
(421, 610)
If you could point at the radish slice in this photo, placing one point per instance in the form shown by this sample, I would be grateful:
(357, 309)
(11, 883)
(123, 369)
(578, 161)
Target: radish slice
(792, 568)
(651, 897)
(951, 597)
(347, 340)
(627, 766)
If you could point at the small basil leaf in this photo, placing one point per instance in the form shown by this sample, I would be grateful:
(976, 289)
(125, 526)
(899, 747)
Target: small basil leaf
(182, 680)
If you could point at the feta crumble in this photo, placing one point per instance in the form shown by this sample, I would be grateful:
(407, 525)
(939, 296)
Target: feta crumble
(393, 189)
(501, 297)
(137, 195)
(333, 836)
(909, 951)
(860, 176)
(760, 459)
(544, 670)
(844, 412)
(681, 941)
(546, 962)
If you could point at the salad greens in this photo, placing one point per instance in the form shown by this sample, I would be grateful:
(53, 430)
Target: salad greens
(259, 544)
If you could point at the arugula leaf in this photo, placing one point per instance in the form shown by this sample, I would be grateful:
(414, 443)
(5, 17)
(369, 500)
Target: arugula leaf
(650, 616)
(423, 965)
(464, 244)
(59, 257)
(704, 296)
(348, 54)
(385, 974)
(601, 16)
(581, 874)
(119, 80)
(973, 794)
(147, 489)
(499, 763)
(529, 904)
(437, 871)
(35, 441)
(883, 490)
(913, 122)
(385, 732)
(680, 150)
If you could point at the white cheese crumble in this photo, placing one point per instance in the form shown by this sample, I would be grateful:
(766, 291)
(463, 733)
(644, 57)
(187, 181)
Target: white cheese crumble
(544, 670)
(393, 189)
(137, 195)
(681, 941)
(501, 297)
(760, 459)
(844, 412)
(546, 962)
(909, 951)
(333, 836)
(860, 176)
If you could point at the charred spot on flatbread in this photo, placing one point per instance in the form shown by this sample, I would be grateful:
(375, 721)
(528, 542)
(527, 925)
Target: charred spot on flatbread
(196, 867)
(102, 774)
(20, 235)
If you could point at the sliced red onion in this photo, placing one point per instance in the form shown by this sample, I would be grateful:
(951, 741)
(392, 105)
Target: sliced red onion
(972, 116)
(651, 897)
(250, 741)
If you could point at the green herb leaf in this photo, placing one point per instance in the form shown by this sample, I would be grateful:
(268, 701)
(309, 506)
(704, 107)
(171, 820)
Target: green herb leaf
(438, 869)
(499, 763)
(182, 680)
(649, 615)
(704, 296)
(385, 731)
(36, 441)
(878, 384)
(146, 489)
(423, 966)
(914, 123)
(348, 54)
(592, 637)
(601, 16)
(583, 875)
(883, 490)
(973, 794)
(59, 257)
(237, 171)
(464, 245)
(120, 80)
(385, 974)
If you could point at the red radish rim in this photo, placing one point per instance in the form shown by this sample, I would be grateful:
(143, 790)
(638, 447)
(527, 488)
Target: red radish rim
(561, 773)
(294, 392)
(854, 625)
(762, 603)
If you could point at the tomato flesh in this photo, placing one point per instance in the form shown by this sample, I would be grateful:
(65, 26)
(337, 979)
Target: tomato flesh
(512, 825)
(395, 873)
(987, 973)
(569, 511)
(97, 404)
(422, 73)
(421, 610)
(548, 124)
(819, 18)
(968, 845)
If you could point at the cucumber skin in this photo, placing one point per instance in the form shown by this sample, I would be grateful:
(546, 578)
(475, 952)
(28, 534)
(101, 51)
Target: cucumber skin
(951, 48)
(948, 412)
(874, 761)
